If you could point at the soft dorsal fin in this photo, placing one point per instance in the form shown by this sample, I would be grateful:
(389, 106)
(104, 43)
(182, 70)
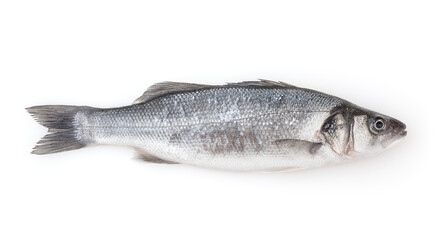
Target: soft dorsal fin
(165, 88)
(261, 83)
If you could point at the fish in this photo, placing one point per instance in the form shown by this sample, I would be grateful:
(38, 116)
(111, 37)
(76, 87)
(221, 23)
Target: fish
(261, 125)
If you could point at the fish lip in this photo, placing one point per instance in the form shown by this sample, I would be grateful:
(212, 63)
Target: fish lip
(400, 135)
(403, 133)
(390, 142)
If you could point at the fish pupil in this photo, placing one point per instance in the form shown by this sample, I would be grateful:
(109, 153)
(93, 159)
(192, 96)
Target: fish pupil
(379, 124)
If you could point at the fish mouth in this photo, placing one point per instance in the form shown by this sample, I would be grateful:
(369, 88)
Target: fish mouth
(400, 135)
(391, 141)
(403, 133)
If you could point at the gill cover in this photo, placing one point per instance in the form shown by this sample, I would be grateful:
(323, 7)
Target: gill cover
(337, 130)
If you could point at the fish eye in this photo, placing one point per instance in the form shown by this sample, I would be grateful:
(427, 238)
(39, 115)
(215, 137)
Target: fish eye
(378, 125)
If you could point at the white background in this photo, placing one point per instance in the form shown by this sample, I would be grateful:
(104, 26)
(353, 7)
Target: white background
(382, 55)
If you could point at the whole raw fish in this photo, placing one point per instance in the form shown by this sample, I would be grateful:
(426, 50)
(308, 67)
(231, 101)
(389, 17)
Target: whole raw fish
(255, 125)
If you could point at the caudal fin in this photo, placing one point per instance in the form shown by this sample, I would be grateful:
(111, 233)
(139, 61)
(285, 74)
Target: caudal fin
(60, 120)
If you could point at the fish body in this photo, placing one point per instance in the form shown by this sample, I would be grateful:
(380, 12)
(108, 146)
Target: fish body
(257, 125)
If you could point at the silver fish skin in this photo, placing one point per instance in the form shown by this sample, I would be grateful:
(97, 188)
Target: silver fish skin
(247, 126)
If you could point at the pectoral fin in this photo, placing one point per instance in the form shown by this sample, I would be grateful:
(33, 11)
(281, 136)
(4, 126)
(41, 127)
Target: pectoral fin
(299, 145)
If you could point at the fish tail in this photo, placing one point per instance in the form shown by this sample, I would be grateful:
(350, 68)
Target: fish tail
(62, 128)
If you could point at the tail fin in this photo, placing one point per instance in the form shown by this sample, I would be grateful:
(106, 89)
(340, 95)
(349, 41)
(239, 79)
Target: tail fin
(60, 120)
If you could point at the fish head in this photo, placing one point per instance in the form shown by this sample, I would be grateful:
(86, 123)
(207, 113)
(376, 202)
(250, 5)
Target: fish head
(374, 132)
(354, 132)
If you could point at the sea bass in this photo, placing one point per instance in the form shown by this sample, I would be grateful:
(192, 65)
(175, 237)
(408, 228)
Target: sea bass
(255, 125)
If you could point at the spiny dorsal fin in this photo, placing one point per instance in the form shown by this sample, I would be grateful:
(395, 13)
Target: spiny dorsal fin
(165, 88)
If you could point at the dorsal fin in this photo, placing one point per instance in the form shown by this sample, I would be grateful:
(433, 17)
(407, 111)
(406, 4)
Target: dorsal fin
(165, 88)
(261, 83)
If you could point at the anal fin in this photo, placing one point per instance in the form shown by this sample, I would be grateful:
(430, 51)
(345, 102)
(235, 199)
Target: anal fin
(142, 154)
(281, 169)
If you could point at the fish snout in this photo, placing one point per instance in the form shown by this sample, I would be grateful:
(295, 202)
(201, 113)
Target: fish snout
(398, 127)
